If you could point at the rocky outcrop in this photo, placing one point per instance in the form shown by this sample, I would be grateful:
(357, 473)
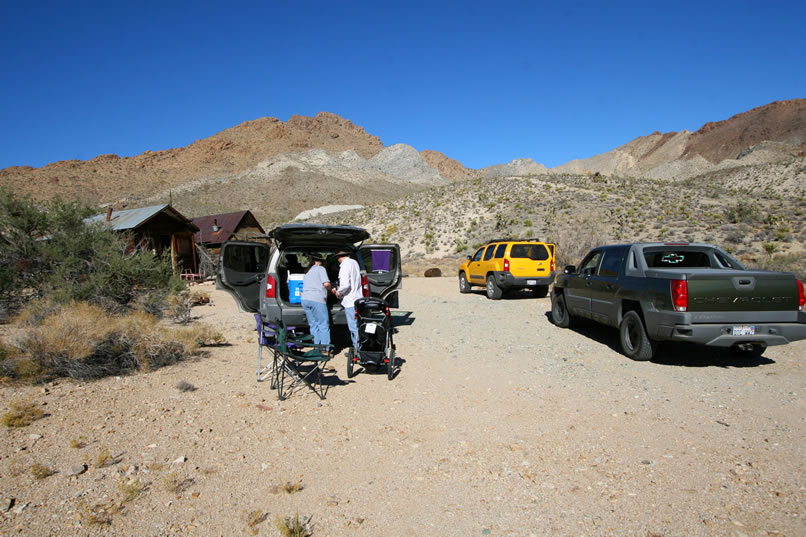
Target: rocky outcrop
(768, 134)
(518, 167)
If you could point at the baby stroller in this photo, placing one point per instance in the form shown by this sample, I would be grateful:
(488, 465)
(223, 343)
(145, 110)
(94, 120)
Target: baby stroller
(375, 345)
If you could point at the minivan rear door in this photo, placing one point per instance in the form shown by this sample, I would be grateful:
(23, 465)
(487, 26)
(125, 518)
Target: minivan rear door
(317, 234)
(241, 269)
(384, 271)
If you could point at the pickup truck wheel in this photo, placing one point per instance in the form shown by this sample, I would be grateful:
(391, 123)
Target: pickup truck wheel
(634, 341)
(464, 286)
(541, 291)
(559, 313)
(493, 291)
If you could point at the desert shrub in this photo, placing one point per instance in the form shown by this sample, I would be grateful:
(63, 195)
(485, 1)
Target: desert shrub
(84, 341)
(576, 235)
(742, 212)
(40, 471)
(293, 526)
(178, 306)
(22, 414)
(52, 251)
(782, 263)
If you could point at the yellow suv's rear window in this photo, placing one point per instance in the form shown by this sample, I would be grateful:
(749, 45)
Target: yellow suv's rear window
(535, 252)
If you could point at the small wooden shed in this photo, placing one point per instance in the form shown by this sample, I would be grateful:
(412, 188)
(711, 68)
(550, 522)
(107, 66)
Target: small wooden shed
(160, 228)
(216, 229)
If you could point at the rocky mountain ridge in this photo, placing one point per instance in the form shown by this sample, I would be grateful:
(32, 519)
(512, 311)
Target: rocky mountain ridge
(279, 170)
(764, 135)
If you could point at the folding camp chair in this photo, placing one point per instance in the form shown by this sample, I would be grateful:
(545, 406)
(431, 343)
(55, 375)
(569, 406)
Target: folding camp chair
(297, 362)
(266, 337)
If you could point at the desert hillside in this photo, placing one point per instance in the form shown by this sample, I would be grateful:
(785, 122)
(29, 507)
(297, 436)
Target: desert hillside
(677, 184)
(763, 135)
(756, 212)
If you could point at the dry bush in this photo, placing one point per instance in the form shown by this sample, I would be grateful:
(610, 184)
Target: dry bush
(78, 443)
(795, 263)
(175, 483)
(40, 471)
(293, 526)
(130, 490)
(99, 514)
(22, 414)
(253, 518)
(291, 488)
(576, 235)
(185, 386)
(196, 336)
(82, 340)
(103, 458)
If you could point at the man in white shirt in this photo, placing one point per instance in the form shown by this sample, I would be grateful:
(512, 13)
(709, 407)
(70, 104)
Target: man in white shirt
(349, 291)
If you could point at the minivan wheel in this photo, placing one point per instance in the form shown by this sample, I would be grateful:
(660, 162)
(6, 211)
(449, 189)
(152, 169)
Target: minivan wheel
(634, 341)
(493, 291)
(464, 286)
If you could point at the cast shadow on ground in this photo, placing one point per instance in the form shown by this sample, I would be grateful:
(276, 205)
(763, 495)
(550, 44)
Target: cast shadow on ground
(402, 318)
(512, 294)
(668, 353)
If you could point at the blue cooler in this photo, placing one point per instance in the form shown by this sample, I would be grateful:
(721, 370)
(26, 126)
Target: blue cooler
(295, 288)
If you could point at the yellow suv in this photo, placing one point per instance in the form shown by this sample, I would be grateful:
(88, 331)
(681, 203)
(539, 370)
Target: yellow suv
(505, 264)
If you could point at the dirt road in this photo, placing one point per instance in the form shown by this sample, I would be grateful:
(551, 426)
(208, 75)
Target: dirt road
(499, 423)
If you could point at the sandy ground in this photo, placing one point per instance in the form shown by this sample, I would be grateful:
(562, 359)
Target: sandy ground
(498, 423)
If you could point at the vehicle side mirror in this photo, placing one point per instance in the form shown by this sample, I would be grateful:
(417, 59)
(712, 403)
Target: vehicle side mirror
(570, 269)
(470, 258)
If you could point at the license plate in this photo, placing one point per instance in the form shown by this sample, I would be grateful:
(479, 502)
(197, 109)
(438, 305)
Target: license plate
(744, 330)
(531, 282)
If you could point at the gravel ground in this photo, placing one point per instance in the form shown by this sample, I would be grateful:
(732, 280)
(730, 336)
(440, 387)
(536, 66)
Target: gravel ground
(498, 423)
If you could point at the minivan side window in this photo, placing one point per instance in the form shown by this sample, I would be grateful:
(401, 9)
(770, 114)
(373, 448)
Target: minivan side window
(488, 254)
(499, 252)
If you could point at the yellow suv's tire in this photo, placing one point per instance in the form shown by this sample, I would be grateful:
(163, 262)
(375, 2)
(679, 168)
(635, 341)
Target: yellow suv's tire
(464, 286)
(493, 291)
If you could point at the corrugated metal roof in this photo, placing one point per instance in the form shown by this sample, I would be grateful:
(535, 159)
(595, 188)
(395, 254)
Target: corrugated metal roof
(227, 223)
(134, 218)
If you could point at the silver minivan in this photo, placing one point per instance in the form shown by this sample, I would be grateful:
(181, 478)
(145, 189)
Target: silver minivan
(267, 278)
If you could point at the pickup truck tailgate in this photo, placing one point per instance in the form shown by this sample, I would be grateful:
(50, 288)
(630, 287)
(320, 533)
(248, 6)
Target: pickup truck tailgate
(735, 291)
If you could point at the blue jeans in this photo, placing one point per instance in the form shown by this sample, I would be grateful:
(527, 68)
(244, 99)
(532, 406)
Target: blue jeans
(318, 320)
(352, 325)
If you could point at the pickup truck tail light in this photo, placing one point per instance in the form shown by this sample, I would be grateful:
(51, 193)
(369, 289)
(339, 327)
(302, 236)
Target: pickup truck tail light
(271, 288)
(365, 285)
(680, 295)
(801, 296)
(506, 265)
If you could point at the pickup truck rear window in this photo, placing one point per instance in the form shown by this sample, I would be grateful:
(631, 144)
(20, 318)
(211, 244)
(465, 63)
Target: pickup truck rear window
(536, 252)
(676, 259)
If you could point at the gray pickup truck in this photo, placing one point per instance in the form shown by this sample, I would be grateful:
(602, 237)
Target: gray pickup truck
(699, 293)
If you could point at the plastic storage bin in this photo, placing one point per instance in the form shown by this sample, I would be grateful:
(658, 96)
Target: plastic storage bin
(295, 288)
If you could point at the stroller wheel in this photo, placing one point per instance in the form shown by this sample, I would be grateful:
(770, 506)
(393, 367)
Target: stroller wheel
(350, 356)
(390, 366)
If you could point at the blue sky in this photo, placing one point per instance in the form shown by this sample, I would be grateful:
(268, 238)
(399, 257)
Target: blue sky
(482, 82)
